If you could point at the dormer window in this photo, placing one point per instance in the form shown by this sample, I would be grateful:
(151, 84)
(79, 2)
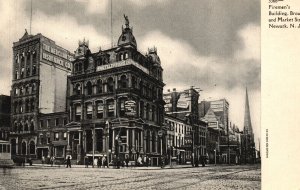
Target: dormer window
(125, 55)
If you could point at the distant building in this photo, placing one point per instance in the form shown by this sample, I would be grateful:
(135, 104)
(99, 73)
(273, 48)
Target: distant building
(181, 111)
(4, 117)
(248, 153)
(39, 85)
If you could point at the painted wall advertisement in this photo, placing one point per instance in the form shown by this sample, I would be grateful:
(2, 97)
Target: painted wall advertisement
(130, 108)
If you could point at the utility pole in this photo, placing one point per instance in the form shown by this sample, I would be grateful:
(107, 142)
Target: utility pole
(107, 144)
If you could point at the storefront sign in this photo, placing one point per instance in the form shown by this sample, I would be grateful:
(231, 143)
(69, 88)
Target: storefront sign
(122, 63)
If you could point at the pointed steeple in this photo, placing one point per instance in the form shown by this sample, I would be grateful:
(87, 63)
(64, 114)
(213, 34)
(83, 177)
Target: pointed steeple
(247, 118)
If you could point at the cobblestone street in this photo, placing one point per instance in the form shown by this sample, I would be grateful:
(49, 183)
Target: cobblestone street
(78, 177)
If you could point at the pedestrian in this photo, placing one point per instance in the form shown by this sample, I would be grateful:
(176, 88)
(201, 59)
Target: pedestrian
(127, 160)
(145, 161)
(86, 161)
(148, 161)
(139, 161)
(51, 161)
(68, 162)
(99, 162)
(43, 160)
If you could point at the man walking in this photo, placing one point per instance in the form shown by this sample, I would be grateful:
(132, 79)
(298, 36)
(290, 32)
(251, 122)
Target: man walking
(68, 162)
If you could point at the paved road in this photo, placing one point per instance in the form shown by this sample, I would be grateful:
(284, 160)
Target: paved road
(213, 177)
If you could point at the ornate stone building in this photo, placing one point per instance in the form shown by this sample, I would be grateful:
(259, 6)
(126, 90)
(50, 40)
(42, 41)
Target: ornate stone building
(115, 102)
(40, 69)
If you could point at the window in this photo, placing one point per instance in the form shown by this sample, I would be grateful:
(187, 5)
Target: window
(56, 121)
(31, 147)
(41, 124)
(125, 55)
(133, 82)
(110, 84)
(100, 109)
(27, 71)
(89, 88)
(56, 136)
(33, 69)
(65, 136)
(99, 86)
(89, 110)
(110, 108)
(141, 109)
(4, 148)
(16, 74)
(34, 56)
(31, 126)
(65, 121)
(1, 148)
(77, 89)
(123, 82)
(77, 112)
(48, 122)
(122, 106)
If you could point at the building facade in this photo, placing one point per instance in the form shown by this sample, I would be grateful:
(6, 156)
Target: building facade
(4, 117)
(181, 111)
(39, 85)
(115, 102)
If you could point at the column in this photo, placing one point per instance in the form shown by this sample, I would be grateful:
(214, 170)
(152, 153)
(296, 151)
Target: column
(134, 140)
(143, 142)
(68, 145)
(113, 141)
(127, 140)
(79, 147)
(150, 142)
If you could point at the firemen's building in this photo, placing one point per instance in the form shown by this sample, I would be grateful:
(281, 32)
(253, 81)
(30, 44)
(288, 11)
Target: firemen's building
(115, 102)
(107, 103)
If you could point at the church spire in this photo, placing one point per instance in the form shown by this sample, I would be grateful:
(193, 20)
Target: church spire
(247, 118)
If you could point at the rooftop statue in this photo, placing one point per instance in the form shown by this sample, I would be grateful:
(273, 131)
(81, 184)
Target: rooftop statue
(126, 21)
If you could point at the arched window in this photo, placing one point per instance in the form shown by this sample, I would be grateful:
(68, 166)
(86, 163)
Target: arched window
(16, 74)
(20, 128)
(110, 84)
(99, 86)
(27, 71)
(123, 81)
(89, 88)
(33, 87)
(31, 147)
(89, 110)
(120, 57)
(24, 148)
(133, 82)
(125, 55)
(33, 69)
(100, 109)
(77, 89)
(110, 108)
(31, 126)
(26, 126)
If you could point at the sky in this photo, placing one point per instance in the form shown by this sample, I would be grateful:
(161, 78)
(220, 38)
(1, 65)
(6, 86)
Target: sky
(210, 44)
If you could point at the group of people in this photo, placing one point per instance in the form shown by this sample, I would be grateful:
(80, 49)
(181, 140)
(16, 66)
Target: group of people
(145, 161)
(101, 161)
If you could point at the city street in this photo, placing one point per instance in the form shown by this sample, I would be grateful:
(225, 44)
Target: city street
(78, 177)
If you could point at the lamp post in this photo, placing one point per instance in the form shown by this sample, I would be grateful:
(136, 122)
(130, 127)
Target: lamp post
(93, 146)
(193, 145)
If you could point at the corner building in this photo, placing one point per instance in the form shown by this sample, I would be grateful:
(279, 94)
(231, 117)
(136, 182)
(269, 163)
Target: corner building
(116, 104)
